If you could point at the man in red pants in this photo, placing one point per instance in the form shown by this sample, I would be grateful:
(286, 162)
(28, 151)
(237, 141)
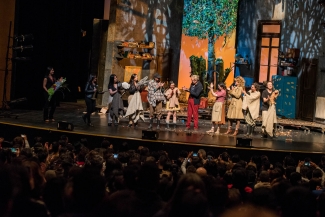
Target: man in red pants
(195, 90)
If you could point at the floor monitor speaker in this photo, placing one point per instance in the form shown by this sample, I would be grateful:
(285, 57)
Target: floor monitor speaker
(244, 142)
(150, 134)
(64, 125)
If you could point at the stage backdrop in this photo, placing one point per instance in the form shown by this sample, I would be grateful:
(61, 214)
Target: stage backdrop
(204, 22)
(193, 46)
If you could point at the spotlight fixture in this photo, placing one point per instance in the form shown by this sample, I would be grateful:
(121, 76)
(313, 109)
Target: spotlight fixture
(21, 48)
(24, 37)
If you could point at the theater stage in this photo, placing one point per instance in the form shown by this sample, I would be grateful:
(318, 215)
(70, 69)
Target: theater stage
(291, 139)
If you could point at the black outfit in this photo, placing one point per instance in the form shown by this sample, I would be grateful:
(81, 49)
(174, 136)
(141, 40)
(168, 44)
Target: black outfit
(116, 108)
(49, 104)
(195, 92)
(133, 89)
(265, 105)
(91, 103)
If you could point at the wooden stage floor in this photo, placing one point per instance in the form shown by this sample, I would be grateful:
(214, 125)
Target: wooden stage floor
(291, 139)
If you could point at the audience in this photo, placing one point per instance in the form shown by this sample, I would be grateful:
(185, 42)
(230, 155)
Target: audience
(69, 179)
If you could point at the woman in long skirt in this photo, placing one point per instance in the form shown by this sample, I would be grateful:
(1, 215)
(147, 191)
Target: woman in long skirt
(251, 107)
(135, 108)
(116, 107)
(218, 110)
(235, 113)
(270, 119)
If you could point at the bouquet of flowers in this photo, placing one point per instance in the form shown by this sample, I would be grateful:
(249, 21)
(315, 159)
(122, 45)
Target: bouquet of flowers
(55, 87)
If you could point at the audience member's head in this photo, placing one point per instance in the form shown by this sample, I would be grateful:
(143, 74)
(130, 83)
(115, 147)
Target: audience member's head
(105, 144)
(201, 171)
(299, 202)
(264, 176)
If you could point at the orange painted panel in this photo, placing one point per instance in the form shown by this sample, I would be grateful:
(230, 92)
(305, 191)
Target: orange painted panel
(271, 29)
(193, 46)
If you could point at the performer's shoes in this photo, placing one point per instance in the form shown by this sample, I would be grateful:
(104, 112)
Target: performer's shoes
(52, 119)
(129, 125)
(187, 129)
(211, 130)
(150, 125)
(47, 120)
(235, 133)
(84, 118)
(158, 124)
(228, 131)
(217, 132)
(90, 124)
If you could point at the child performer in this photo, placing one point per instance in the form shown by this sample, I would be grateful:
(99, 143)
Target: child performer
(172, 106)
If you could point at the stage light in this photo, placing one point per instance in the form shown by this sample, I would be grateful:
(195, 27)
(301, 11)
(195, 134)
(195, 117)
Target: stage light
(24, 37)
(17, 101)
(21, 48)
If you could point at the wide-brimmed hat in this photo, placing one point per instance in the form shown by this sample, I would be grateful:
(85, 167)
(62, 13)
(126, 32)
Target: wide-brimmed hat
(156, 75)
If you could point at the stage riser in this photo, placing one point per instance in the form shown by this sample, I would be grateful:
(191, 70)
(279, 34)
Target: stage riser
(173, 149)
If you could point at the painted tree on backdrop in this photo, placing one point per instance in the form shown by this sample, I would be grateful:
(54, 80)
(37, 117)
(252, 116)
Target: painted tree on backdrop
(210, 19)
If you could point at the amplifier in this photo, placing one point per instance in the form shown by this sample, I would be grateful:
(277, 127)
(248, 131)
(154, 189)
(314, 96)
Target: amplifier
(64, 125)
(244, 142)
(150, 134)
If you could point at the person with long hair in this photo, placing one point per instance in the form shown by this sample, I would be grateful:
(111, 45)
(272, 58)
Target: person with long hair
(235, 112)
(116, 106)
(218, 110)
(48, 82)
(90, 91)
(267, 119)
(270, 120)
(135, 108)
(251, 107)
(189, 198)
(172, 106)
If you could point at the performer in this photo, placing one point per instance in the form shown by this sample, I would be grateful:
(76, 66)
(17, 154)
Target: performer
(251, 107)
(155, 99)
(235, 112)
(90, 92)
(195, 90)
(269, 123)
(48, 81)
(218, 110)
(116, 109)
(135, 108)
(266, 94)
(172, 104)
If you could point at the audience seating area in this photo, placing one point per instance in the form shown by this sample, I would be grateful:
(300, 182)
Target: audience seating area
(72, 178)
